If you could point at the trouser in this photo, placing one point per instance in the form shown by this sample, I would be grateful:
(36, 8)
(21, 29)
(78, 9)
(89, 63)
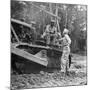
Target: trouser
(50, 39)
(65, 59)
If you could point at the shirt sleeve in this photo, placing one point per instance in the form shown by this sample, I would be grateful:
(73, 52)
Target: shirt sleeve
(47, 29)
(68, 39)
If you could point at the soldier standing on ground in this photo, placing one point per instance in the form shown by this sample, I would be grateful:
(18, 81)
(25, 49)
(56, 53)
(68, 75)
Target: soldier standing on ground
(66, 41)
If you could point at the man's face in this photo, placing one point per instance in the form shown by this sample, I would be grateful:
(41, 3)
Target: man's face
(52, 24)
(33, 25)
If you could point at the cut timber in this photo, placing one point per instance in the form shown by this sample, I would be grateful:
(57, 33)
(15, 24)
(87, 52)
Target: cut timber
(42, 47)
(33, 45)
(50, 5)
(26, 55)
(22, 23)
(15, 34)
(46, 11)
(58, 21)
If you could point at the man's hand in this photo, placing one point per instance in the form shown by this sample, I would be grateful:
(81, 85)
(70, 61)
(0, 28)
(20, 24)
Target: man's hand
(52, 35)
(58, 44)
(42, 36)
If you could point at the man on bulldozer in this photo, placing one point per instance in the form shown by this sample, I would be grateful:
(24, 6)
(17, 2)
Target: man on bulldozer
(50, 33)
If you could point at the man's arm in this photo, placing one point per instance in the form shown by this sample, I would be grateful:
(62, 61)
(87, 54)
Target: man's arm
(61, 39)
(46, 31)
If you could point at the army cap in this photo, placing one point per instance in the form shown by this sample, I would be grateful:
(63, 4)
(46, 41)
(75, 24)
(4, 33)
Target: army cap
(53, 21)
(65, 31)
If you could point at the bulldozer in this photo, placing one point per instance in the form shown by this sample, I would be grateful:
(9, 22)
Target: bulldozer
(26, 50)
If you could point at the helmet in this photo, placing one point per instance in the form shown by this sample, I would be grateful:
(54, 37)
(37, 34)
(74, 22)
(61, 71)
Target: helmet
(66, 31)
(52, 21)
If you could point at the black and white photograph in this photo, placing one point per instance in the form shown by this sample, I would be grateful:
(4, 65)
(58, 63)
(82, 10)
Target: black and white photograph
(48, 45)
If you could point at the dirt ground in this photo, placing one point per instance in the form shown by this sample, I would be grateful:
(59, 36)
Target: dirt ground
(77, 76)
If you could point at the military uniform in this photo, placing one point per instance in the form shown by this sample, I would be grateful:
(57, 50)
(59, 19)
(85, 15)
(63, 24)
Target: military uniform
(66, 41)
(50, 33)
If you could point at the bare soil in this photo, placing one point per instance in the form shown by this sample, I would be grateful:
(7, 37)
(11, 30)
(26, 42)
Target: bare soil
(55, 78)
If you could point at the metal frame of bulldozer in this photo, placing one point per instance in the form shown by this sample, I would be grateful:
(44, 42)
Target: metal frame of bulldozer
(22, 53)
(53, 55)
(38, 57)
